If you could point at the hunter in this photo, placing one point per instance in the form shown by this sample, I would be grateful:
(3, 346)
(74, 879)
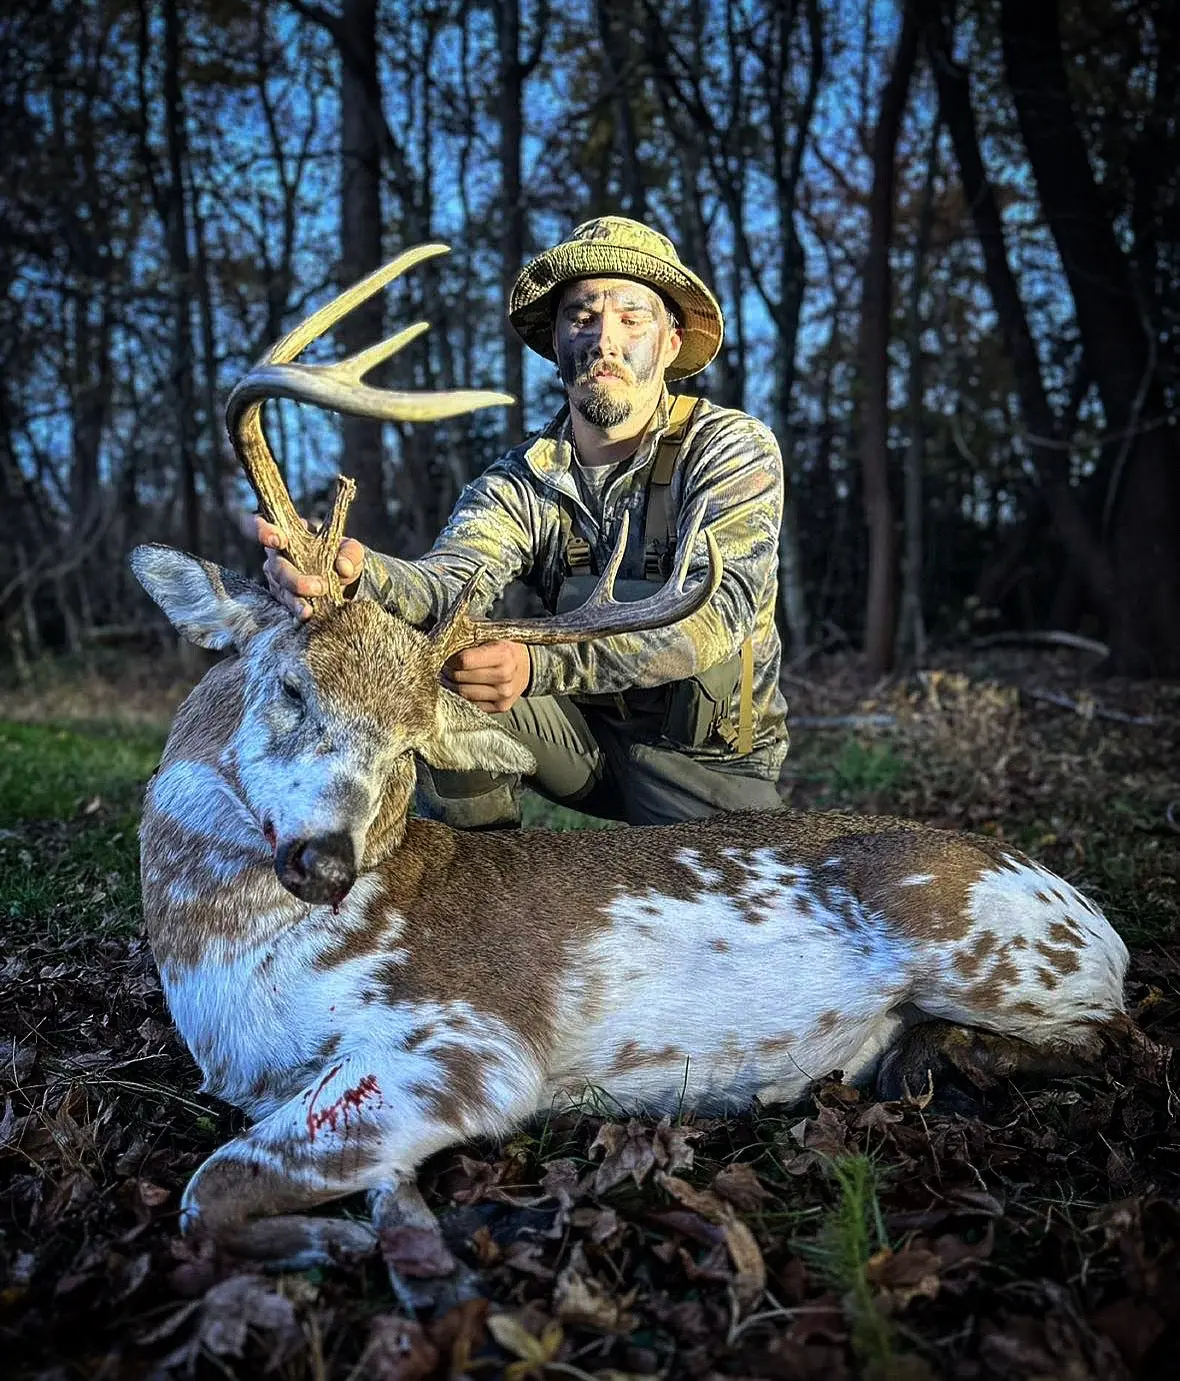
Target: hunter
(647, 728)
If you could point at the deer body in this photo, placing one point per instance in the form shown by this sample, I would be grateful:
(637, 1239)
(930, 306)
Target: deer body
(466, 982)
(371, 989)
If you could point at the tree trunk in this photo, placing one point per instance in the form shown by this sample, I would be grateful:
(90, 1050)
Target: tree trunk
(1050, 460)
(176, 235)
(1145, 509)
(874, 357)
(911, 625)
(614, 29)
(360, 250)
(513, 216)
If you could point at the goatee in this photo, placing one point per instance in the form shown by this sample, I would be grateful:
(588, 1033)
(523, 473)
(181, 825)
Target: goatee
(602, 410)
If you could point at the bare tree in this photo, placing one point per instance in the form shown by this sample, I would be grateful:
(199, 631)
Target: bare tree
(1043, 431)
(875, 318)
(1120, 344)
(911, 624)
(514, 73)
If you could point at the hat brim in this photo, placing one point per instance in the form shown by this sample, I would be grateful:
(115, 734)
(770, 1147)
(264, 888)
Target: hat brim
(531, 306)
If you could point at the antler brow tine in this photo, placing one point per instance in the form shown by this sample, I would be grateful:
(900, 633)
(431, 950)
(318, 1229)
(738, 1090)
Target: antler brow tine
(340, 387)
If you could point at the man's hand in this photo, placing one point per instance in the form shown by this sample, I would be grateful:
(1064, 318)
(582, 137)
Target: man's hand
(288, 585)
(493, 676)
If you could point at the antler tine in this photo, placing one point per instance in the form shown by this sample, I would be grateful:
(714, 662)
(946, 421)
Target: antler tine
(602, 616)
(340, 387)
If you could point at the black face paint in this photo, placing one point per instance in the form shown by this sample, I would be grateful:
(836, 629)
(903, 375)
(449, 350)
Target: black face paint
(636, 363)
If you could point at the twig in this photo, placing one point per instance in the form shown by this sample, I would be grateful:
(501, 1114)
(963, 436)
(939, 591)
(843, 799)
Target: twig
(1087, 709)
(1053, 637)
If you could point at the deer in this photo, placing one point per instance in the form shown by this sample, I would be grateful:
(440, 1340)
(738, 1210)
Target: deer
(370, 987)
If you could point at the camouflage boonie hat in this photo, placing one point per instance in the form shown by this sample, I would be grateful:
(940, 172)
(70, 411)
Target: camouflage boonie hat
(615, 247)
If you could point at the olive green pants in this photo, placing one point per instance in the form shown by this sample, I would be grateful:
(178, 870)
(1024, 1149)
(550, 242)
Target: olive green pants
(604, 764)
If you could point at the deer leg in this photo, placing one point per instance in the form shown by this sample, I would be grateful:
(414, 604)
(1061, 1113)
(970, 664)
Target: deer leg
(353, 1128)
(927, 1050)
(401, 1205)
(365, 1123)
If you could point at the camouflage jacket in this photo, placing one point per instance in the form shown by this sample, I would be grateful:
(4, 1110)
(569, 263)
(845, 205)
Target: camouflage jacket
(510, 521)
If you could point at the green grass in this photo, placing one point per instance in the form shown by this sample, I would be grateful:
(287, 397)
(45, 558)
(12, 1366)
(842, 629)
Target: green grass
(857, 771)
(69, 805)
(55, 771)
(851, 1233)
(538, 813)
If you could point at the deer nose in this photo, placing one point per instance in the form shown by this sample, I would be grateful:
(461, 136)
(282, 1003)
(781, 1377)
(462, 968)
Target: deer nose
(317, 870)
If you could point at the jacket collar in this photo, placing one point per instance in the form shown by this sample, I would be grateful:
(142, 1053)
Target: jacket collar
(550, 455)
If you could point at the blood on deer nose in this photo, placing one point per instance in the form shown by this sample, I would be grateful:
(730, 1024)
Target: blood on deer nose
(317, 870)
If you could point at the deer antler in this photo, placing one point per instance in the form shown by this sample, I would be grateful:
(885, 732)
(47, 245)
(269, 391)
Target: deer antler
(602, 615)
(337, 386)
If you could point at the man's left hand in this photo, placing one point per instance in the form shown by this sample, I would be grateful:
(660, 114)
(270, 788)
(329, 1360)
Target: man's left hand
(493, 676)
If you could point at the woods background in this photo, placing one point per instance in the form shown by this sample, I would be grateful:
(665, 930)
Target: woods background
(946, 238)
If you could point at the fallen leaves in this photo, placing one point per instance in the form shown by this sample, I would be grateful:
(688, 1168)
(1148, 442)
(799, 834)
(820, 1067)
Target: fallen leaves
(749, 1281)
(1034, 1233)
(636, 1148)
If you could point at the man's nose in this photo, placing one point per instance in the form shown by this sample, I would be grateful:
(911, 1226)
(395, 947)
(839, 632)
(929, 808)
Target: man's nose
(606, 336)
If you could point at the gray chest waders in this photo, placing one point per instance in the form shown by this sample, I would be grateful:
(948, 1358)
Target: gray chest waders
(716, 701)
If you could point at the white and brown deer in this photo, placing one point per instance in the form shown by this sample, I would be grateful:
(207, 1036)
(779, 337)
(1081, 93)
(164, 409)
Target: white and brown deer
(370, 988)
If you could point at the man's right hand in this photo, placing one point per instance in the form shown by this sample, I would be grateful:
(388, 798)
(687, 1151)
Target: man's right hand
(290, 586)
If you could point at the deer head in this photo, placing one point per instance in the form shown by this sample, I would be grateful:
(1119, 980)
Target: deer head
(333, 710)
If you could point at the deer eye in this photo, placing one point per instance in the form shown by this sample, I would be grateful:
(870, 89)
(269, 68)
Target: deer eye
(292, 691)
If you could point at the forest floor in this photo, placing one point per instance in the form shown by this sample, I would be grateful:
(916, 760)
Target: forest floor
(1030, 1229)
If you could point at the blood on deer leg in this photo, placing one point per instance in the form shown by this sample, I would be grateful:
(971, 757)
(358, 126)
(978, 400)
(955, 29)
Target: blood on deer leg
(351, 1129)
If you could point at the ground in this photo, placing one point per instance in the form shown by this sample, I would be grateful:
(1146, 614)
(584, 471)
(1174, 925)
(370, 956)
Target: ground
(1030, 1229)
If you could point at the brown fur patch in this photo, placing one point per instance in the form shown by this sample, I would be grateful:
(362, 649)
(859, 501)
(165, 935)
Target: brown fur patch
(462, 1095)
(420, 1035)
(1063, 960)
(773, 1045)
(992, 991)
(719, 945)
(1067, 932)
(630, 1057)
(827, 1022)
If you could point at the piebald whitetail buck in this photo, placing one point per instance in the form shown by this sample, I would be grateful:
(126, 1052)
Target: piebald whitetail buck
(371, 988)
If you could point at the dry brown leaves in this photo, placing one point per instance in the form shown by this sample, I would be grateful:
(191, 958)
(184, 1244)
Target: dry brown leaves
(1032, 1229)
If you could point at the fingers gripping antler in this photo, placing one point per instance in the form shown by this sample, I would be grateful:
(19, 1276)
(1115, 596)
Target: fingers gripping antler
(602, 616)
(340, 387)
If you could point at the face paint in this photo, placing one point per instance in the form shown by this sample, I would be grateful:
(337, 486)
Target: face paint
(609, 342)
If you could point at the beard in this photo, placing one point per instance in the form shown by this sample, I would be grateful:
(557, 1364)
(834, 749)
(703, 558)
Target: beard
(602, 405)
(602, 408)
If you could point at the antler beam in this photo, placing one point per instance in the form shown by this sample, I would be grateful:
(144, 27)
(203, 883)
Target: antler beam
(602, 616)
(338, 386)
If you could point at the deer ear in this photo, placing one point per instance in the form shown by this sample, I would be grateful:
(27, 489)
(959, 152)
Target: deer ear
(466, 739)
(204, 602)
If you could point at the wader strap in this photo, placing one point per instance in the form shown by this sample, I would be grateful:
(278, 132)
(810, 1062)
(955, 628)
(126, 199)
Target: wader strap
(745, 733)
(658, 530)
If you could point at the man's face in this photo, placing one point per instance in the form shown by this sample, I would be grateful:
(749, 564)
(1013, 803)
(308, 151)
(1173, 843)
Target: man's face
(613, 341)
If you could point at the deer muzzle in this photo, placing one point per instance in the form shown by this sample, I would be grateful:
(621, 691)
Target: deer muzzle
(320, 871)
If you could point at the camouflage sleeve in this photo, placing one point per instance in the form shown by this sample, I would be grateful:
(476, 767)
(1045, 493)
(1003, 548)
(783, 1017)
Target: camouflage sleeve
(734, 464)
(494, 524)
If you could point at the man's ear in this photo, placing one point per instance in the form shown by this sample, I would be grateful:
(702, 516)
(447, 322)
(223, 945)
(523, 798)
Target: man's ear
(204, 602)
(466, 739)
(675, 341)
